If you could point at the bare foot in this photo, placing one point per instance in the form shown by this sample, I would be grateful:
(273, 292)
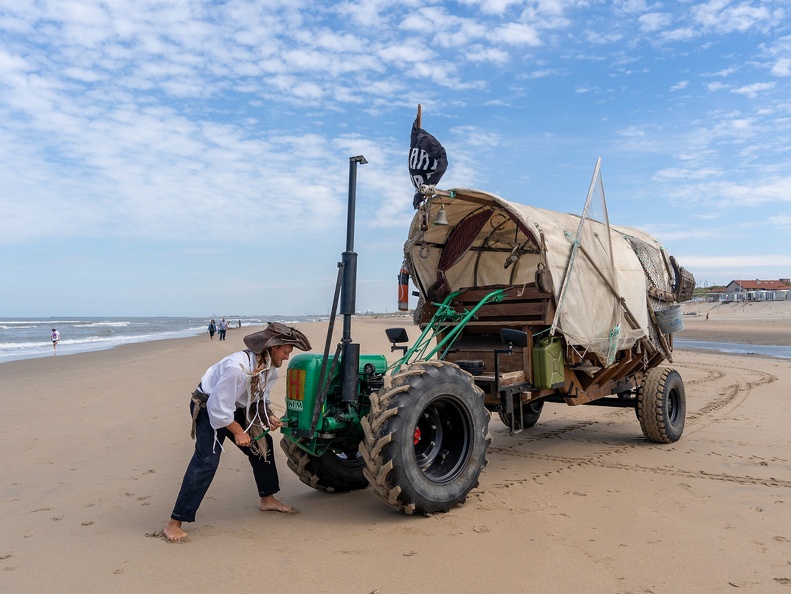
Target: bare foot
(269, 503)
(173, 531)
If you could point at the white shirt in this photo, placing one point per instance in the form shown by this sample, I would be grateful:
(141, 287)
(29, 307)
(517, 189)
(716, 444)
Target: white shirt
(227, 385)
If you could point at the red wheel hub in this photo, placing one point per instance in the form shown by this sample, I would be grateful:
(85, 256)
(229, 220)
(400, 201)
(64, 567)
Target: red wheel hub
(417, 435)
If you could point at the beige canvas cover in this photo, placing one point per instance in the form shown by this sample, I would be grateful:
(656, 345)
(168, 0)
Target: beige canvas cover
(598, 279)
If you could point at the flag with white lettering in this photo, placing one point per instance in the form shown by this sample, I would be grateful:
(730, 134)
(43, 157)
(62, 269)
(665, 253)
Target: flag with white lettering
(427, 160)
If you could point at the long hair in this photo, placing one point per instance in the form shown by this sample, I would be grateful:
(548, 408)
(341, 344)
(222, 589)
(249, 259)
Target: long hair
(262, 361)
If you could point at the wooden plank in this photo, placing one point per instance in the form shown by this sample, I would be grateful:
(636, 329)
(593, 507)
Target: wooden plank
(513, 310)
(518, 292)
(506, 379)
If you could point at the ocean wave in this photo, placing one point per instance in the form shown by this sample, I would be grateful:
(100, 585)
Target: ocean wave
(33, 323)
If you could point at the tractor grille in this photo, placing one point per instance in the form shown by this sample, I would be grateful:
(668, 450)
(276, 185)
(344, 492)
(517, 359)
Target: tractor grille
(296, 384)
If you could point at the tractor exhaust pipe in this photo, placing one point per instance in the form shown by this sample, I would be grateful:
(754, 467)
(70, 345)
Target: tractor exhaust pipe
(351, 351)
(345, 287)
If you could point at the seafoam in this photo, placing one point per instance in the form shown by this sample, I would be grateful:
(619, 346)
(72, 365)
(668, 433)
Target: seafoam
(26, 338)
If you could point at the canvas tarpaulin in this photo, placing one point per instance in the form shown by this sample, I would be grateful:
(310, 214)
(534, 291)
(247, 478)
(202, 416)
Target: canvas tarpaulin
(591, 305)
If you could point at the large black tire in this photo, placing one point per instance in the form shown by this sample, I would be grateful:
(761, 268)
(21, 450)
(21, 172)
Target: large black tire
(530, 413)
(662, 405)
(332, 472)
(426, 438)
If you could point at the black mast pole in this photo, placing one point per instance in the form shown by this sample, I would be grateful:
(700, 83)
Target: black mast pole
(350, 350)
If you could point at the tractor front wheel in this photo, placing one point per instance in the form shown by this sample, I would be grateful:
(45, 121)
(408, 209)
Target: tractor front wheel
(334, 471)
(426, 438)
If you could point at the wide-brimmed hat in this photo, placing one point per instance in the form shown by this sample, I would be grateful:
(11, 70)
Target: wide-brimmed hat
(276, 334)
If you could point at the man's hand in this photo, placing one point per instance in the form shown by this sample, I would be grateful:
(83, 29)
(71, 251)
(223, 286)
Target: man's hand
(274, 422)
(242, 439)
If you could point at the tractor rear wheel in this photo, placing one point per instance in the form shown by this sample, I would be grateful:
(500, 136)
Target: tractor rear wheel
(662, 405)
(426, 438)
(334, 471)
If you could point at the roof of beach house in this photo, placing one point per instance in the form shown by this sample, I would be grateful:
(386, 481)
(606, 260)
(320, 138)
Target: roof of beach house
(761, 285)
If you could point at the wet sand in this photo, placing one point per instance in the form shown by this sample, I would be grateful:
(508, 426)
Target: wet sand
(749, 323)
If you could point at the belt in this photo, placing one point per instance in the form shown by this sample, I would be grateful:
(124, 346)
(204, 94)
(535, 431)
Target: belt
(200, 394)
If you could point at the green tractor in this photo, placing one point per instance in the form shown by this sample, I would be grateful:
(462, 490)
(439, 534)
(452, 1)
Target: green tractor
(416, 431)
(498, 334)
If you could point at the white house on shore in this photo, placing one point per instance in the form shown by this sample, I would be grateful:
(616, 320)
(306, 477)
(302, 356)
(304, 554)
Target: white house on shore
(754, 290)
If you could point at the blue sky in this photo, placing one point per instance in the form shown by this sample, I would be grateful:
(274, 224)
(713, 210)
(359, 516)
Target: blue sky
(191, 157)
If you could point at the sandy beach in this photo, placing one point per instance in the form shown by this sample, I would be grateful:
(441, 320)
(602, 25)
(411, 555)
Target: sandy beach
(94, 447)
(758, 322)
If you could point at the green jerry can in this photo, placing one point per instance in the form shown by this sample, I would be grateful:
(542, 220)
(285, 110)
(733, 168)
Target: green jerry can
(548, 369)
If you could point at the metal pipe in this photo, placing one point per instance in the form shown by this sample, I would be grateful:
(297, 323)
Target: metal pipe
(351, 352)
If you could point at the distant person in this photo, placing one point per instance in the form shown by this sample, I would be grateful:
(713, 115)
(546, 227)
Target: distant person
(232, 400)
(221, 328)
(707, 315)
(55, 337)
(212, 330)
(240, 324)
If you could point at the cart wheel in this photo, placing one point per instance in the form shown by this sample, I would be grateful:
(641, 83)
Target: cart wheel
(662, 405)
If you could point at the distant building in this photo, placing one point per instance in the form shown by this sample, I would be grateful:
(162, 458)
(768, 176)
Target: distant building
(753, 290)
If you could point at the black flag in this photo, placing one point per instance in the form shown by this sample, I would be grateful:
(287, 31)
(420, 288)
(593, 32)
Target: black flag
(427, 160)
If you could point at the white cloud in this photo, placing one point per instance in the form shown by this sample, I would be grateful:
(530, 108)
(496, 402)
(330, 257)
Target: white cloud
(781, 220)
(516, 34)
(782, 67)
(677, 174)
(493, 55)
(724, 17)
(736, 194)
(753, 90)
(736, 260)
(654, 21)
(632, 6)
(724, 73)
(631, 132)
(11, 64)
(680, 34)
(679, 86)
(496, 7)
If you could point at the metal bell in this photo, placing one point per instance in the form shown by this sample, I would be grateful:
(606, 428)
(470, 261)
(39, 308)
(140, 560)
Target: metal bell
(442, 217)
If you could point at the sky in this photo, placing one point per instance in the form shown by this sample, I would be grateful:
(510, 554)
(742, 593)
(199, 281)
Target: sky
(191, 158)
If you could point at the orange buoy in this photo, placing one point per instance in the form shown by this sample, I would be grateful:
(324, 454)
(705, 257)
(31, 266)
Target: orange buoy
(403, 288)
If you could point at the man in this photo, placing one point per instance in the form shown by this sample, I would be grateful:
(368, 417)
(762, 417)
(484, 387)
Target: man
(232, 400)
(222, 328)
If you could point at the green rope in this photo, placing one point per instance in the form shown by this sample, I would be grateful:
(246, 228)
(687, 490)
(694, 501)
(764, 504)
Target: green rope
(260, 436)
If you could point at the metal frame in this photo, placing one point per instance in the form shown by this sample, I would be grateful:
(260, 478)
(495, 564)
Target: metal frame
(444, 318)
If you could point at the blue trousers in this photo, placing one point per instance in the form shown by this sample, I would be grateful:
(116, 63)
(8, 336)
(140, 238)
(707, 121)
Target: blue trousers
(206, 459)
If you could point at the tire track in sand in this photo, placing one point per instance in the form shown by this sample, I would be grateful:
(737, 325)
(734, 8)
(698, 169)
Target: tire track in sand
(738, 385)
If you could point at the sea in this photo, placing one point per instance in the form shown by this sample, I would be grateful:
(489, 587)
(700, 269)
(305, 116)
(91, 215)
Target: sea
(28, 338)
(736, 348)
